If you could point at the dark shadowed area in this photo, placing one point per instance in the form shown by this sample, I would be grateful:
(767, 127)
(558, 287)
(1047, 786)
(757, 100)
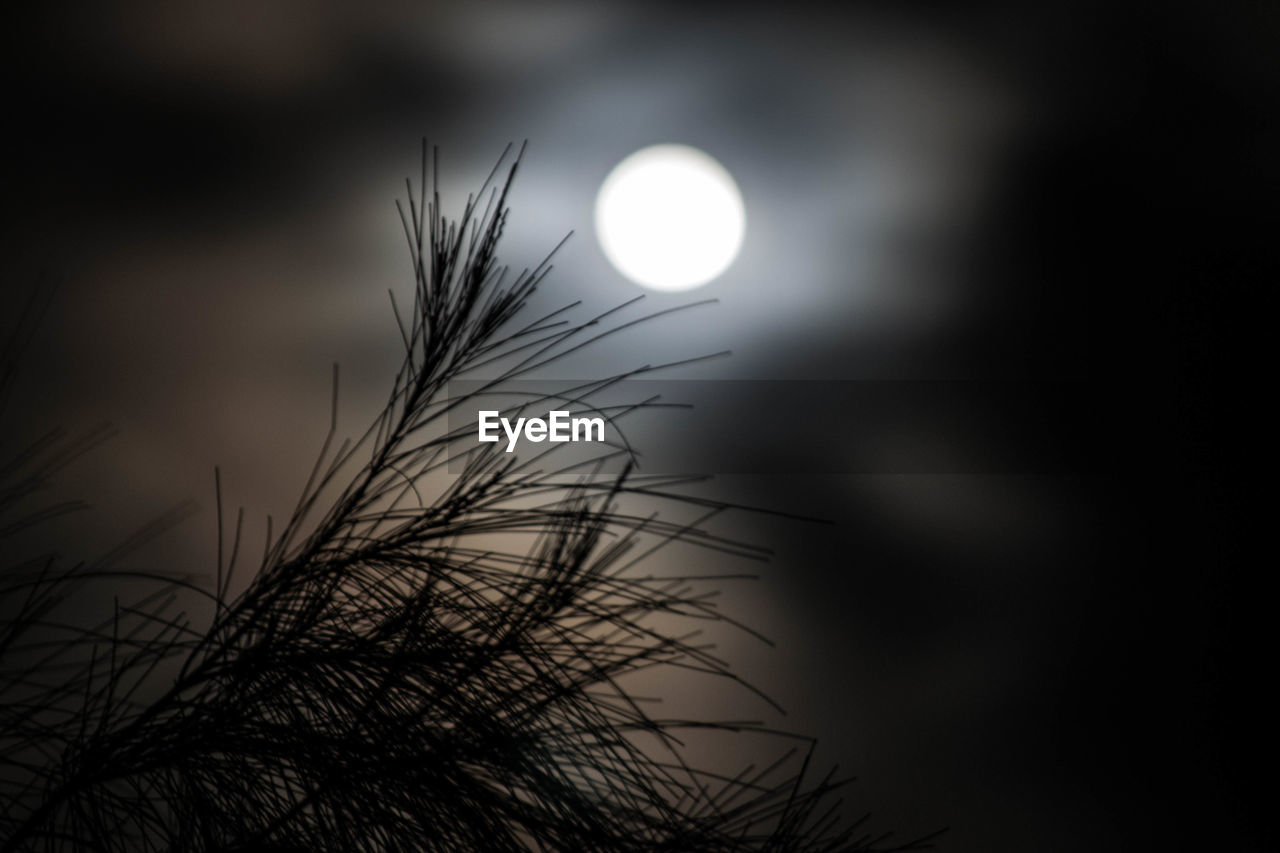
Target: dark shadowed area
(1059, 646)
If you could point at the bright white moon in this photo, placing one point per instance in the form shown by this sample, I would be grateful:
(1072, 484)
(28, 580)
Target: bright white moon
(670, 217)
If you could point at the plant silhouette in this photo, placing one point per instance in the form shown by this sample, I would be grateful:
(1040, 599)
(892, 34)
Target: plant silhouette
(419, 661)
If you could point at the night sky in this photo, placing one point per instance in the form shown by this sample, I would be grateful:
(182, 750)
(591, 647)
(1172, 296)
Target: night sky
(1042, 624)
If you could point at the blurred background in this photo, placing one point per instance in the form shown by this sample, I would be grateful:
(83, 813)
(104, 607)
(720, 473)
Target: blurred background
(1054, 649)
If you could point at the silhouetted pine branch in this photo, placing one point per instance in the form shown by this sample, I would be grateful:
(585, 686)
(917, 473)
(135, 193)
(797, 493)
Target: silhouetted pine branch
(419, 661)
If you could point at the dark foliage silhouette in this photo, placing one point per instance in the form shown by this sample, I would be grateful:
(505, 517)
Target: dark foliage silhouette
(419, 661)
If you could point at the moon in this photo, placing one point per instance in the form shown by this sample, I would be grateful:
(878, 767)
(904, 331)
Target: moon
(670, 218)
